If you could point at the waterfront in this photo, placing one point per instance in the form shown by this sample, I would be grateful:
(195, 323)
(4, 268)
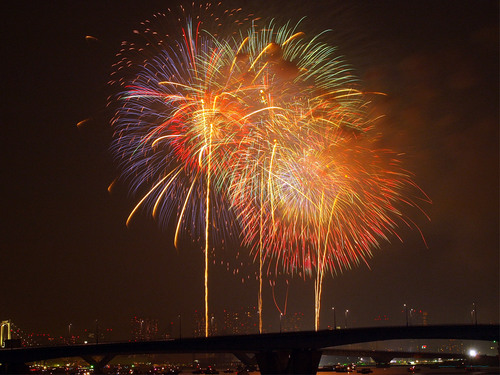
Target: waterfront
(393, 370)
(403, 370)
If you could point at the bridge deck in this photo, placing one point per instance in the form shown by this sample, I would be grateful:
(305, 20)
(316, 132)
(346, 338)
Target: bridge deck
(308, 340)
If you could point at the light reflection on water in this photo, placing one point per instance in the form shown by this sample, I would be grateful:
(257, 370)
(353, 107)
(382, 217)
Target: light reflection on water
(403, 370)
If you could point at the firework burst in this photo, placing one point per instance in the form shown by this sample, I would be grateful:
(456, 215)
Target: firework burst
(263, 127)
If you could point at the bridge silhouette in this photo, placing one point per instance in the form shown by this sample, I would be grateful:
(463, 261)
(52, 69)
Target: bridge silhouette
(275, 353)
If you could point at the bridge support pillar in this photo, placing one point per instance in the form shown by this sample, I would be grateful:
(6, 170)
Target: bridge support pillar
(289, 361)
(14, 368)
(383, 360)
(98, 363)
(249, 362)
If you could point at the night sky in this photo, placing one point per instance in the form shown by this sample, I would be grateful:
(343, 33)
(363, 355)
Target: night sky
(67, 256)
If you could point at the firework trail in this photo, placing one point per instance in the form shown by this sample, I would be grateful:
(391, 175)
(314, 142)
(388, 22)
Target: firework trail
(177, 126)
(313, 192)
(265, 127)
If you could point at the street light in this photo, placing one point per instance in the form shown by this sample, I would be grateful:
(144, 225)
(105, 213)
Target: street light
(474, 314)
(180, 326)
(334, 319)
(411, 315)
(97, 331)
(281, 316)
(406, 314)
(472, 355)
(346, 312)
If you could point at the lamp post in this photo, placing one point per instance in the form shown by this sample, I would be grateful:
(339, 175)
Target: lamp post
(346, 312)
(69, 333)
(180, 326)
(474, 313)
(281, 317)
(334, 319)
(406, 314)
(96, 331)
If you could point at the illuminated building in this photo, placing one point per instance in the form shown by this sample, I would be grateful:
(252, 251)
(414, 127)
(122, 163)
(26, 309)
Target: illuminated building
(292, 322)
(199, 324)
(381, 319)
(144, 329)
(169, 331)
(241, 322)
(419, 317)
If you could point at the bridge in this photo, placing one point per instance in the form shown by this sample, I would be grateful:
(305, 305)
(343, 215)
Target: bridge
(275, 353)
(5, 332)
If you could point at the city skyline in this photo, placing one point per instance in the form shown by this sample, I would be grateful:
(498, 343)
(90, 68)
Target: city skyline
(70, 259)
(242, 321)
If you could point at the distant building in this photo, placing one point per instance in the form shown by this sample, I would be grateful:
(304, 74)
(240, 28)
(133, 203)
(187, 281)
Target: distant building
(419, 317)
(97, 334)
(381, 319)
(199, 324)
(144, 329)
(452, 346)
(243, 321)
(292, 322)
(169, 331)
(43, 339)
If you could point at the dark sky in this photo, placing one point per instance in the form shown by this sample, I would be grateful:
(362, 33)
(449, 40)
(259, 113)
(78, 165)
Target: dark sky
(67, 256)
